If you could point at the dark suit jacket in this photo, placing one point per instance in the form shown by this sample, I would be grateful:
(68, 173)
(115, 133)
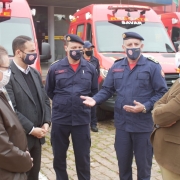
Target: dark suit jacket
(24, 103)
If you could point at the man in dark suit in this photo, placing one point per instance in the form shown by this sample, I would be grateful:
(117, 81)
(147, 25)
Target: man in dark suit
(29, 99)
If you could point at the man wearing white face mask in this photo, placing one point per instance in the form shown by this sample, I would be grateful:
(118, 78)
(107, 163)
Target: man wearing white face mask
(15, 161)
(29, 99)
(138, 82)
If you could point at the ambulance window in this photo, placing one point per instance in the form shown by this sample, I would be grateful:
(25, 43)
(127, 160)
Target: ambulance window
(175, 34)
(89, 32)
(80, 30)
(13, 27)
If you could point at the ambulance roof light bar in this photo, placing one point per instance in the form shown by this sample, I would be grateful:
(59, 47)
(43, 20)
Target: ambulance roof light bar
(4, 2)
(129, 8)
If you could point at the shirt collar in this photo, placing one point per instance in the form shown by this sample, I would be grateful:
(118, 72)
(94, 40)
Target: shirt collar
(25, 71)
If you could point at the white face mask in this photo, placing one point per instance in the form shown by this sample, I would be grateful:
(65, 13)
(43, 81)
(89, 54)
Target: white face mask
(5, 78)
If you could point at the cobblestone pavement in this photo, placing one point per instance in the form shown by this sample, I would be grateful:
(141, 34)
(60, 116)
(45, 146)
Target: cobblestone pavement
(103, 157)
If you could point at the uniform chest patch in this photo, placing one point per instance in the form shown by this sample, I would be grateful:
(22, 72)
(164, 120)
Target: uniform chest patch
(61, 71)
(117, 70)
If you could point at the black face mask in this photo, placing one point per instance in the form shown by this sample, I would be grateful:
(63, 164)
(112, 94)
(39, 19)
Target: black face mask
(75, 54)
(30, 58)
(89, 53)
(133, 53)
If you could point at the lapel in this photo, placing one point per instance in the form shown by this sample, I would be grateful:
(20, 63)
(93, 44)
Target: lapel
(37, 84)
(20, 80)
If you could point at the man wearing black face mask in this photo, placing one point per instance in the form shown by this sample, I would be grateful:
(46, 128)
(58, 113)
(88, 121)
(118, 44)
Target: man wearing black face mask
(138, 82)
(29, 99)
(88, 55)
(67, 79)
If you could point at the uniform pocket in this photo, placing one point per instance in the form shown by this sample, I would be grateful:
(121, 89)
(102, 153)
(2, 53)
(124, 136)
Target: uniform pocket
(118, 76)
(143, 79)
(86, 79)
(61, 80)
(60, 104)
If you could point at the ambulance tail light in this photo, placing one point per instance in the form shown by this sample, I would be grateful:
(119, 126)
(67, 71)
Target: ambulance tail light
(5, 13)
(103, 72)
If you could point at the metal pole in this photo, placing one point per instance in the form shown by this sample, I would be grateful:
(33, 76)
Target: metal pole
(51, 31)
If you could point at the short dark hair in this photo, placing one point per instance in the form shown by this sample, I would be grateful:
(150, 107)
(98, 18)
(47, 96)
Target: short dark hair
(3, 52)
(18, 43)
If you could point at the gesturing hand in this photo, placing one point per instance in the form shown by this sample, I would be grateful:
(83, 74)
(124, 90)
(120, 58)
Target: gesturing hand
(134, 109)
(88, 101)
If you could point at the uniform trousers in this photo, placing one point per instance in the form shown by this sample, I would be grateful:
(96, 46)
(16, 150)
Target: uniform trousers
(169, 175)
(93, 116)
(128, 144)
(81, 144)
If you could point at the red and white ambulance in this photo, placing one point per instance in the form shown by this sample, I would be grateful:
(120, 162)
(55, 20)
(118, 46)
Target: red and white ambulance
(171, 22)
(104, 25)
(16, 19)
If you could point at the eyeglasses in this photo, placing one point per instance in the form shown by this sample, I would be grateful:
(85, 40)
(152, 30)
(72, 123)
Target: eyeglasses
(8, 68)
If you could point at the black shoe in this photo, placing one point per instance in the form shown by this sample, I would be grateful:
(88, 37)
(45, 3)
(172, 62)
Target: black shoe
(94, 128)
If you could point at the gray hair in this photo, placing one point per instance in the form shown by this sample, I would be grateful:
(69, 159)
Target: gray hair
(3, 52)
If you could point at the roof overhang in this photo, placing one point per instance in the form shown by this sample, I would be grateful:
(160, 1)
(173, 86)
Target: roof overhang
(83, 3)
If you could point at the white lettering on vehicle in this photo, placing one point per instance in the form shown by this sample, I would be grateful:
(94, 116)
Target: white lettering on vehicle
(131, 22)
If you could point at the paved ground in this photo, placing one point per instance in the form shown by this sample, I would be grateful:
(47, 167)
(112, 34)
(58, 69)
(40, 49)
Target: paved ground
(103, 158)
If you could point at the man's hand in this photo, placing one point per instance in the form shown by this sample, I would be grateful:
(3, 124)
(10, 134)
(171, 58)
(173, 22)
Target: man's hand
(38, 132)
(134, 109)
(88, 101)
(27, 152)
(45, 127)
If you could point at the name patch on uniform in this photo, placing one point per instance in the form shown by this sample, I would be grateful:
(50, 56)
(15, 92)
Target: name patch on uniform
(60, 71)
(117, 70)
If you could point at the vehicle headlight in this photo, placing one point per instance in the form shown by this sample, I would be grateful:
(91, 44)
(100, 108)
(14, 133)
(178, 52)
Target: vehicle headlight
(104, 72)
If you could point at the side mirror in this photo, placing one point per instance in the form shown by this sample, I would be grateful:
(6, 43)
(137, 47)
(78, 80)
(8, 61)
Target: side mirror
(46, 52)
(176, 44)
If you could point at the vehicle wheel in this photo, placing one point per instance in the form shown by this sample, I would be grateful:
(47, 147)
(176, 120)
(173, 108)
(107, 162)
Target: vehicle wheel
(100, 113)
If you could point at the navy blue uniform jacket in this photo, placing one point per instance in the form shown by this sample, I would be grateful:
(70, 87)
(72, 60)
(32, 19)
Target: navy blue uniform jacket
(64, 87)
(144, 83)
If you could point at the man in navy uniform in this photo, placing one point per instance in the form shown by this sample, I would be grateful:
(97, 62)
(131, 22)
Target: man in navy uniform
(67, 79)
(139, 82)
(88, 55)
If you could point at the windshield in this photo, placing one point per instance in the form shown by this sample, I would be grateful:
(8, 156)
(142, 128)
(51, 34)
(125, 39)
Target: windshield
(109, 37)
(10, 29)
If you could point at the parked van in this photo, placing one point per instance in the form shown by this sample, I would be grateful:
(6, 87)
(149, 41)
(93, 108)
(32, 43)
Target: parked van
(171, 22)
(104, 25)
(15, 20)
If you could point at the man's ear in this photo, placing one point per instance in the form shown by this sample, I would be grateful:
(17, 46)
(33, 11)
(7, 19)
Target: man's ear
(142, 45)
(18, 53)
(124, 48)
(65, 48)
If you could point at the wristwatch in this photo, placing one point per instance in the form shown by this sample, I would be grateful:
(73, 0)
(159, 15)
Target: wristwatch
(144, 110)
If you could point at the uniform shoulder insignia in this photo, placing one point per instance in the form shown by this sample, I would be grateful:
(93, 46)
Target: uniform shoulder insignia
(152, 59)
(55, 62)
(119, 59)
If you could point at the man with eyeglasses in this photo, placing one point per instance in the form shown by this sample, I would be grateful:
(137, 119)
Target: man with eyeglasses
(138, 82)
(29, 99)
